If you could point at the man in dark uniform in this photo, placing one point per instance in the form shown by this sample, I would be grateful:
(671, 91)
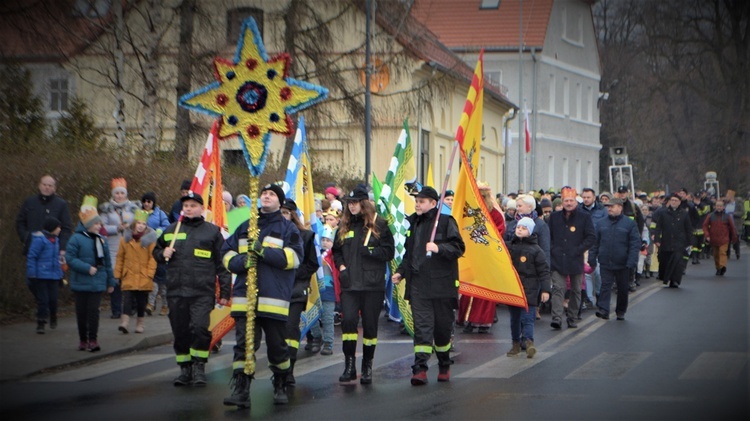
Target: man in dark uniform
(672, 232)
(276, 254)
(193, 264)
(432, 283)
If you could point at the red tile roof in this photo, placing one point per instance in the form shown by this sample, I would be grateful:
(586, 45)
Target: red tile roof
(463, 26)
(424, 44)
(44, 30)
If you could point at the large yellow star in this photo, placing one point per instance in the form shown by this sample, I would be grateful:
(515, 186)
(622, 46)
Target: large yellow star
(254, 96)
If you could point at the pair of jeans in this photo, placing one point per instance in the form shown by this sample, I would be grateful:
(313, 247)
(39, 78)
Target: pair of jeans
(45, 292)
(622, 278)
(326, 319)
(87, 315)
(522, 323)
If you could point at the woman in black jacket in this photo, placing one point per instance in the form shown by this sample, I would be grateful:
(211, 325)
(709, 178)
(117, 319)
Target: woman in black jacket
(364, 245)
(301, 287)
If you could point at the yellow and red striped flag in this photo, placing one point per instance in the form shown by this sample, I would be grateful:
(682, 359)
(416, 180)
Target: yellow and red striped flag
(486, 270)
(469, 133)
(207, 181)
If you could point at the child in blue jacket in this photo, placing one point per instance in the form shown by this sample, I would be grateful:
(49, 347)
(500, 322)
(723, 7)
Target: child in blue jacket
(44, 271)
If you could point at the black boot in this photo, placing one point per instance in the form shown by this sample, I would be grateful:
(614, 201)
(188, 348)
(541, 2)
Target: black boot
(279, 389)
(199, 374)
(240, 385)
(40, 327)
(366, 377)
(186, 373)
(290, 380)
(53, 320)
(350, 370)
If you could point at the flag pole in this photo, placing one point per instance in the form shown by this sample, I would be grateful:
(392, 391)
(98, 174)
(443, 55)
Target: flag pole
(442, 193)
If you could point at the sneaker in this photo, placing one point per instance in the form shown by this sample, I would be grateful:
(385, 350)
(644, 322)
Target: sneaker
(602, 315)
(83, 346)
(419, 378)
(620, 317)
(572, 324)
(337, 318)
(164, 311)
(94, 346)
(150, 310)
(40, 327)
(327, 349)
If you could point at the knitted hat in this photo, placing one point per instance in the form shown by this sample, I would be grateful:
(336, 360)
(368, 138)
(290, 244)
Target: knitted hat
(557, 202)
(141, 215)
(119, 184)
(528, 223)
(150, 196)
(332, 190)
(327, 232)
(88, 214)
(511, 204)
(276, 189)
(615, 201)
(545, 203)
(605, 193)
(51, 223)
(226, 196)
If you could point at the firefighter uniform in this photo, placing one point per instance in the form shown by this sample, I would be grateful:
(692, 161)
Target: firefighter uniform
(277, 254)
(432, 286)
(698, 213)
(191, 281)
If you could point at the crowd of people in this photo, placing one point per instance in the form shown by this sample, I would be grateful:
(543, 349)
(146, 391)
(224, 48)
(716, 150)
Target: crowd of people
(571, 250)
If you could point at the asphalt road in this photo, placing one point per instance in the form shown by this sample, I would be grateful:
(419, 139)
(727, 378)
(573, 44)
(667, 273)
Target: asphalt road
(681, 354)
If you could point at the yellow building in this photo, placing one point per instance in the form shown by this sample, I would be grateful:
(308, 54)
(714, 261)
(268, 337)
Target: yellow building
(82, 49)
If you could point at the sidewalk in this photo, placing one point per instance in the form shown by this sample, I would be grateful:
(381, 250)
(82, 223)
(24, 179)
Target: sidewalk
(24, 353)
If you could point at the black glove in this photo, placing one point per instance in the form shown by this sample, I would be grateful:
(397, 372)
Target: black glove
(257, 248)
(365, 251)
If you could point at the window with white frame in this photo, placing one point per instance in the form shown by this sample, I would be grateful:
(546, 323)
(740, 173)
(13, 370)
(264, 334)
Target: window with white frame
(58, 95)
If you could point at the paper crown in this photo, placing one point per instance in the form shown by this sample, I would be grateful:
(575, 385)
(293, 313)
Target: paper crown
(89, 200)
(141, 215)
(88, 214)
(332, 212)
(568, 192)
(327, 232)
(119, 182)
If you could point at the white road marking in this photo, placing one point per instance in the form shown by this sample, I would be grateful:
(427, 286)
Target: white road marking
(608, 366)
(101, 368)
(716, 366)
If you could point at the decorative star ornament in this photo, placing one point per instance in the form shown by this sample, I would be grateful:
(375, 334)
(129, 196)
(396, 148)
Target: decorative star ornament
(254, 96)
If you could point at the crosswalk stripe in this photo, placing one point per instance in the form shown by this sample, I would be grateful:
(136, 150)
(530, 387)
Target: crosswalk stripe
(716, 366)
(608, 366)
(505, 367)
(100, 369)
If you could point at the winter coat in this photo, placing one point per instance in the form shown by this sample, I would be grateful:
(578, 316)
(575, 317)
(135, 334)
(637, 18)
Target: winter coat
(330, 281)
(598, 212)
(436, 276)
(571, 234)
(81, 254)
(112, 215)
(541, 229)
(308, 266)
(135, 265)
(282, 253)
(194, 267)
(157, 220)
(633, 212)
(365, 265)
(671, 228)
(35, 210)
(719, 229)
(617, 244)
(43, 257)
(531, 266)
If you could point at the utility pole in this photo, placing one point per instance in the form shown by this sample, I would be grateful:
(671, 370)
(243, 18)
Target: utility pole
(368, 75)
(521, 156)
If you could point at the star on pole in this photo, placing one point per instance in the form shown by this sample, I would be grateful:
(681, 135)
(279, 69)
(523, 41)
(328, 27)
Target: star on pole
(253, 96)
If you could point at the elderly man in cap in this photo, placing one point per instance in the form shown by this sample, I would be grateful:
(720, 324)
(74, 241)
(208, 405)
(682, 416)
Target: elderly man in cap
(192, 251)
(571, 234)
(616, 249)
(432, 283)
